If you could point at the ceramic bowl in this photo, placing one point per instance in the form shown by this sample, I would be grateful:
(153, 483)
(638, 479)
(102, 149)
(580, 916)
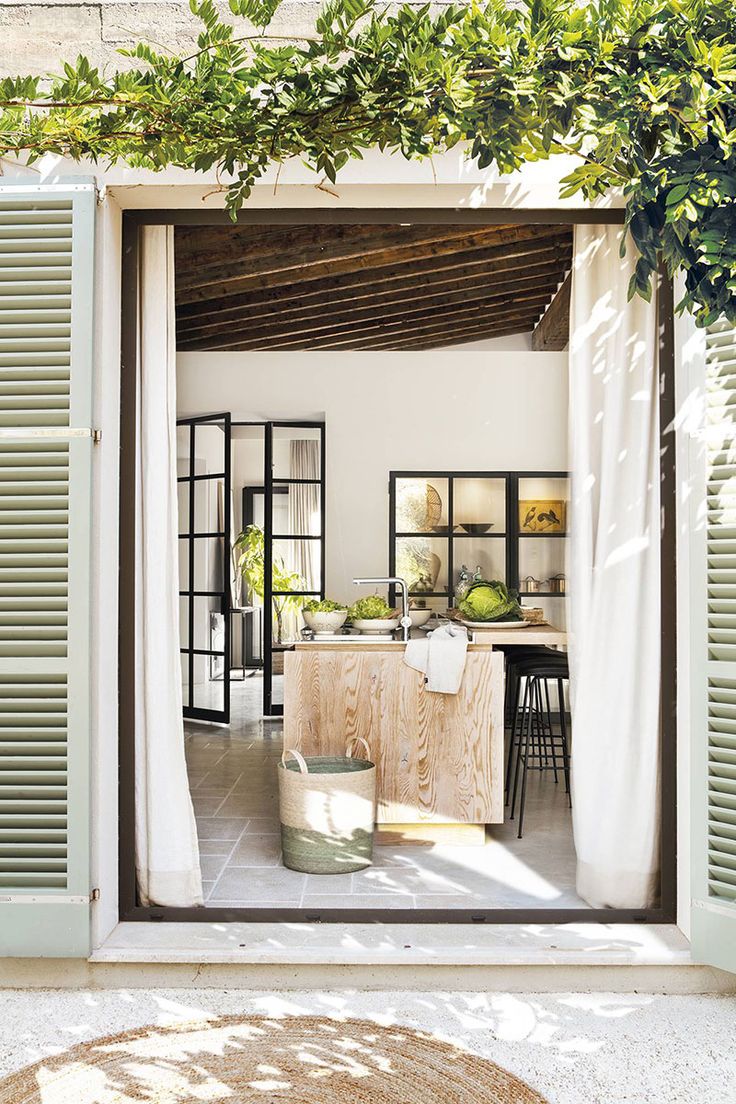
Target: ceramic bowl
(377, 625)
(325, 624)
(419, 617)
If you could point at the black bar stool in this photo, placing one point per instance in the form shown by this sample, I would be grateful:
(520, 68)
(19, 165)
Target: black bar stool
(518, 659)
(538, 745)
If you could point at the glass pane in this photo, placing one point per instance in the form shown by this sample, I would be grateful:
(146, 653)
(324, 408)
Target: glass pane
(277, 682)
(209, 692)
(421, 505)
(297, 509)
(183, 564)
(182, 447)
(479, 505)
(422, 562)
(207, 563)
(182, 501)
(296, 565)
(476, 553)
(247, 471)
(543, 504)
(209, 446)
(209, 506)
(297, 452)
(542, 565)
(209, 624)
(184, 622)
(185, 678)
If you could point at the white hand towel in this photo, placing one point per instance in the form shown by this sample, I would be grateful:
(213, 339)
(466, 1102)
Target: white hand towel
(440, 657)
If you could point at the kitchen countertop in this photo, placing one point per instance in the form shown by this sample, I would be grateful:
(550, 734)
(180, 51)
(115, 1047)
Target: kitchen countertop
(479, 638)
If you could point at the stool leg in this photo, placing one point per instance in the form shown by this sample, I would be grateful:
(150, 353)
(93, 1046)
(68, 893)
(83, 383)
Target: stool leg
(522, 801)
(551, 729)
(563, 735)
(523, 741)
(512, 739)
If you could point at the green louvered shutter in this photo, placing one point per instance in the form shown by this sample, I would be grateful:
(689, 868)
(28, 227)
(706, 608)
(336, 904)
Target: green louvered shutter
(46, 444)
(713, 606)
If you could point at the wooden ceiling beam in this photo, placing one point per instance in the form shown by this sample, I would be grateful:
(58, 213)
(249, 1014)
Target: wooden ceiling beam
(436, 335)
(460, 337)
(375, 306)
(552, 332)
(354, 287)
(276, 272)
(402, 311)
(402, 326)
(201, 249)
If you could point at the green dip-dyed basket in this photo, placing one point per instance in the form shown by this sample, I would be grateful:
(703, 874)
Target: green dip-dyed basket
(327, 814)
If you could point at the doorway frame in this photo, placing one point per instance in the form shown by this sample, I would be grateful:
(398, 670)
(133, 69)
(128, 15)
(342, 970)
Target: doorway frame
(129, 909)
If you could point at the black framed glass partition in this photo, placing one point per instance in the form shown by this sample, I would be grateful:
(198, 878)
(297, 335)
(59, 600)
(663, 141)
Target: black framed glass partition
(294, 547)
(505, 525)
(203, 484)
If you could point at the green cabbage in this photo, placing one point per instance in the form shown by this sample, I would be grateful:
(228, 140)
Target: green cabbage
(325, 606)
(490, 601)
(370, 609)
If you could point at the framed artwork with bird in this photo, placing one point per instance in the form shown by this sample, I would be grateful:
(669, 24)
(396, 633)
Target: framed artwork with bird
(542, 515)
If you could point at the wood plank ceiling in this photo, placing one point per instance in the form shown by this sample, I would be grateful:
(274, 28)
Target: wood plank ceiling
(364, 287)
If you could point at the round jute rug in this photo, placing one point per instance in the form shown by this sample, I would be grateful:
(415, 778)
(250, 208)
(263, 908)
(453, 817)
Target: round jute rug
(243, 1059)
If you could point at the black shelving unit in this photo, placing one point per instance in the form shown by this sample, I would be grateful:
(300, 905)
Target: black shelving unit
(455, 539)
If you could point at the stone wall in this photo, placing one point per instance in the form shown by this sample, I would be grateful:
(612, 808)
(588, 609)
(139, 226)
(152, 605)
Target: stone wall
(36, 36)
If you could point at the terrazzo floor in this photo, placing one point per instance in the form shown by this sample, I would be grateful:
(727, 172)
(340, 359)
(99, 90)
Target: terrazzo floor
(233, 781)
(592, 1048)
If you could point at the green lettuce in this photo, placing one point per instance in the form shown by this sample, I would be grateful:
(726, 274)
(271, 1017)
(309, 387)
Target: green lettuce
(326, 605)
(490, 601)
(372, 608)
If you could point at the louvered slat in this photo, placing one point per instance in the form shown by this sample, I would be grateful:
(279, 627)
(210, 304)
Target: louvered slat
(721, 609)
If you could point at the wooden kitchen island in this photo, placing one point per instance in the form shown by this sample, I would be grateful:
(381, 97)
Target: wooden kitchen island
(439, 757)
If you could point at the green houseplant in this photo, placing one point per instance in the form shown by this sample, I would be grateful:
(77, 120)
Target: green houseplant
(250, 558)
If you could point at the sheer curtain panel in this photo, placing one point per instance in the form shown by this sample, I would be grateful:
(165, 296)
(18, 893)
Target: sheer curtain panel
(615, 577)
(166, 848)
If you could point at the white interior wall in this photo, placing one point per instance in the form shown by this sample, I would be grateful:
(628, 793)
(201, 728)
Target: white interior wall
(389, 411)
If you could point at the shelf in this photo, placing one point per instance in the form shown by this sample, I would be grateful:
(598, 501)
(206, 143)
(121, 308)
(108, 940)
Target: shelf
(543, 536)
(540, 594)
(443, 534)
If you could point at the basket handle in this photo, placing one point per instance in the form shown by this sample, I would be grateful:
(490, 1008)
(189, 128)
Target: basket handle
(303, 768)
(357, 740)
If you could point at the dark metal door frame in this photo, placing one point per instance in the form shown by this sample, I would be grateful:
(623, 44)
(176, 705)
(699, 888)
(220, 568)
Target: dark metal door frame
(271, 484)
(191, 710)
(128, 904)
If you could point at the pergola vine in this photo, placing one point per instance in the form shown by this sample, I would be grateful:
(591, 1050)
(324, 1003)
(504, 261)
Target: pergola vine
(642, 92)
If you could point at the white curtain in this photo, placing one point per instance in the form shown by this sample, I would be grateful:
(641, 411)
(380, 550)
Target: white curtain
(615, 571)
(166, 848)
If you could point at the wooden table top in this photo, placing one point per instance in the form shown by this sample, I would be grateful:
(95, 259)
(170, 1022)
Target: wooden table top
(530, 634)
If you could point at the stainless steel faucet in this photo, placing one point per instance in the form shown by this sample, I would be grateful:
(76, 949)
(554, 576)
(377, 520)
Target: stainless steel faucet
(405, 621)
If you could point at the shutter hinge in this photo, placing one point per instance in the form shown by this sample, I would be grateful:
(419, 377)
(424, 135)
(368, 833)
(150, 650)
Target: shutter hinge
(96, 436)
(94, 895)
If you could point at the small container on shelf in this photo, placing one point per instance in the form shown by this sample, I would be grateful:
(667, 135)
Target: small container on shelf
(557, 584)
(529, 585)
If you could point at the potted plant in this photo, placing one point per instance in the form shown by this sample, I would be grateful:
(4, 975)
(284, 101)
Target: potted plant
(250, 550)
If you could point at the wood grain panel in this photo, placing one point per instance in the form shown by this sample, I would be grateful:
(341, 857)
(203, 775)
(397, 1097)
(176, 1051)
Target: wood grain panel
(439, 757)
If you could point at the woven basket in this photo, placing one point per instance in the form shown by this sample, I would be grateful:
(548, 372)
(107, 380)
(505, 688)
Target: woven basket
(327, 811)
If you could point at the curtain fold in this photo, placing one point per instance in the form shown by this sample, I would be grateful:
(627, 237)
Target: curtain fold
(166, 847)
(614, 577)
